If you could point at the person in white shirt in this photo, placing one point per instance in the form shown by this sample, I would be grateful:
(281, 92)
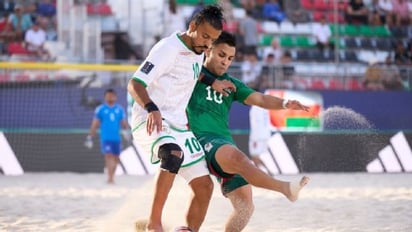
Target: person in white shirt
(35, 38)
(251, 69)
(161, 89)
(173, 19)
(322, 33)
(259, 135)
(273, 49)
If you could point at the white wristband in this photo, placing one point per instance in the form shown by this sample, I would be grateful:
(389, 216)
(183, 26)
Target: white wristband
(284, 103)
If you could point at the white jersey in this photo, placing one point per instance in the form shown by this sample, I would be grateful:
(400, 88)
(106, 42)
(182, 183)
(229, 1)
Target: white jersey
(169, 73)
(259, 124)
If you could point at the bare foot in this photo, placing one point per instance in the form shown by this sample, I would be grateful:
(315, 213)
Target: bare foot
(295, 188)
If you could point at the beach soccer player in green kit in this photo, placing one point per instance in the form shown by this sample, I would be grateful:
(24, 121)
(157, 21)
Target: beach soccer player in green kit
(208, 113)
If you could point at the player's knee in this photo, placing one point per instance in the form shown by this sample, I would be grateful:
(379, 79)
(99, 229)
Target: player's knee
(202, 187)
(171, 157)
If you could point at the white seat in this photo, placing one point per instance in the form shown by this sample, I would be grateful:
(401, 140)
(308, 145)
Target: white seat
(270, 27)
(303, 28)
(287, 28)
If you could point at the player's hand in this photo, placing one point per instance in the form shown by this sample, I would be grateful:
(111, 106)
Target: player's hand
(88, 143)
(296, 105)
(154, 122)
(224, 87)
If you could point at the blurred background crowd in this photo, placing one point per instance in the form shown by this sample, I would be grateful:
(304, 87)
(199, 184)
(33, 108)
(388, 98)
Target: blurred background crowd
(293, 44)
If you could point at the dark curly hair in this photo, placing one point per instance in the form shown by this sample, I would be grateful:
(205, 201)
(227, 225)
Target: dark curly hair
(211, 14)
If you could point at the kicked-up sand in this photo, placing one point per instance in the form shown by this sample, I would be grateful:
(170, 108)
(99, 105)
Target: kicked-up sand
(84, 202)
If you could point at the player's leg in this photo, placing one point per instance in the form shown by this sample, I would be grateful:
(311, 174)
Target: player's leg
(243, 207)
(164, 182)
(171, 158)
(232, 160)
(112, 159)
(109, 167)
(259, 163)
(197, 175)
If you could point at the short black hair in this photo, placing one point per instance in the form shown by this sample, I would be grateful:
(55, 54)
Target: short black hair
(109, 91)
(225, 38)
(211, 14)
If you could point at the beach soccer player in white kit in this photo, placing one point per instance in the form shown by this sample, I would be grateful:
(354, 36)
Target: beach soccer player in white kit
(161, 88)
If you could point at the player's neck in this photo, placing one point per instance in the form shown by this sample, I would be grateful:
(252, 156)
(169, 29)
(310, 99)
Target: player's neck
(185, 38)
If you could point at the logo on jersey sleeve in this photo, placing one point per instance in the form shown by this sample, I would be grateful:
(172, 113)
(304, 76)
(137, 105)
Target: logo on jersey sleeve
(147, 67)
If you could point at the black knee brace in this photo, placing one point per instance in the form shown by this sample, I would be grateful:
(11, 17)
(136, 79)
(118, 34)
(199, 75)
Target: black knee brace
(169, 161)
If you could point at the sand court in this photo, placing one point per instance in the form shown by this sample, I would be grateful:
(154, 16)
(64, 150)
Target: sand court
(84, 202)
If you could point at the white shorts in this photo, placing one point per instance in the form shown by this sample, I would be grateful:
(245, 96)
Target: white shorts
(194, 164)
(257, 147)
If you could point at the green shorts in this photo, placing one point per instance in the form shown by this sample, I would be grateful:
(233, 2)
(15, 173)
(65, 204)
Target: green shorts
(228, 182)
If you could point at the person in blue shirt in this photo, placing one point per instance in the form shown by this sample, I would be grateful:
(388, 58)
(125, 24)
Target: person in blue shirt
(110, 117)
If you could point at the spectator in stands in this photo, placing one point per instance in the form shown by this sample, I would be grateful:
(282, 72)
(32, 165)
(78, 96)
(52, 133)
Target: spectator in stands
(373, 76)
(46, 8)
(386, 7)
(295, 12)
(251, 69)
(402, 56)
(123, 50)
(322, 32)
(275, 50)
(357, 12)
(250, 5)
(377, 16)
(227, 7)
(34, 39)
(287, 70)
(6, 31)
(391, 78)
(21, 22)
(273, 11)
(6, 6)
(196, 9)
(173, 19)
(401, 12)
(248, 29)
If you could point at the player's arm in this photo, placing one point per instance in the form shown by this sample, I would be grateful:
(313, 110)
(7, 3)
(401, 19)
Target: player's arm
(93, 127)
(222, 86)
(139, 93)
(92, 132)
(273, 103)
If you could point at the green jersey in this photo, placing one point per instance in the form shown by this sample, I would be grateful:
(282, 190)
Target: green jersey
(208, 110)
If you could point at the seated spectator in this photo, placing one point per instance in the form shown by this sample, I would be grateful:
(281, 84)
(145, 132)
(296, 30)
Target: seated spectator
(274, 50)
(248, 30)
(387, 7)
(288, 70)
(373, 77)
(21, 22)
(295, 12)
(402, 56)
(227, 7)
(273, 11)
(357, 12)
(251, 69)
(401, 12)
(35, 38)
(6, 6)
(321, 31)
(391, 78)
(377, 16)
(6, 31)
(46, 8)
